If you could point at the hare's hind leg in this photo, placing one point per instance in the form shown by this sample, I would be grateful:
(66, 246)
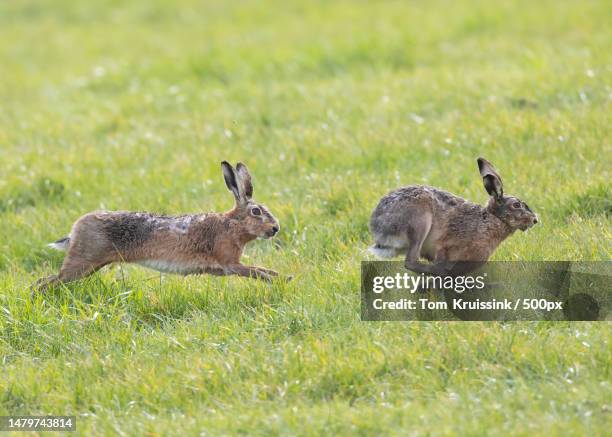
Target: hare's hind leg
(75, 268)
(418, 230)
(71, 270)
(436, 269)
(42, 284)
(90, 250)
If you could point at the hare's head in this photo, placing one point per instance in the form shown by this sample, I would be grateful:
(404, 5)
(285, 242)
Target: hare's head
(511, 210)
(255, 218)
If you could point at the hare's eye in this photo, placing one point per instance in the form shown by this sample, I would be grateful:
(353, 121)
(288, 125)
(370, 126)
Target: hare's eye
(256, 211)
(516, 205)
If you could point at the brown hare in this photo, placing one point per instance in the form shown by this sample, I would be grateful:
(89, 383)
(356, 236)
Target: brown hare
(453, 233)
(188, 244)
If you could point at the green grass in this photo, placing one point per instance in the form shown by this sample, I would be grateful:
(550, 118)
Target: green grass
(331, 104)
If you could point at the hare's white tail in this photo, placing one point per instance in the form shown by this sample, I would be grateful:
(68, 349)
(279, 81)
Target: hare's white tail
(61, 244)
(383, 251)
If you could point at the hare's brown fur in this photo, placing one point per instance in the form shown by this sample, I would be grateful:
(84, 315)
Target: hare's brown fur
(453, 233)
(188, 244)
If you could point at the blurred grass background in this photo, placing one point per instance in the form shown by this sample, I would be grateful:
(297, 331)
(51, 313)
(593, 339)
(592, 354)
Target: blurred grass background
(132, 105)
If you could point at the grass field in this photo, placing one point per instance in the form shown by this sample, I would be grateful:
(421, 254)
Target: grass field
(106, 104)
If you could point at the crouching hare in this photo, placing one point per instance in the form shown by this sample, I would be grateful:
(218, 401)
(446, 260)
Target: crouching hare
(188, 244)
(456, 235)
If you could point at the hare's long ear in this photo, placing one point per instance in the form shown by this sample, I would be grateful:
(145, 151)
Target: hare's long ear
(231, 180)
(491, 180)
(244, 181)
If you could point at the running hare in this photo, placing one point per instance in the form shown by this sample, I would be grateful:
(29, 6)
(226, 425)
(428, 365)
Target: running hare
(188, 244)
(453, 233)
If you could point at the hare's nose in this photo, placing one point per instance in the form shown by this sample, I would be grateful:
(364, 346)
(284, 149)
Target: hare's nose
(275, 229)
(535, 220)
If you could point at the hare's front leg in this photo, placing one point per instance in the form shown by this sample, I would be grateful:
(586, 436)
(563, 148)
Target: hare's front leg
(268, 271)
(252, 272)
(256, 272)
